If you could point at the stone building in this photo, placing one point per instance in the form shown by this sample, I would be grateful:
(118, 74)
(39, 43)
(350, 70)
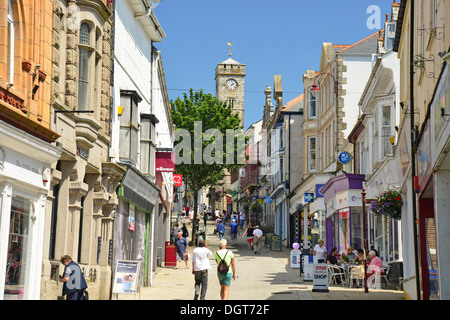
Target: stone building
(83, 181)
(26, 149)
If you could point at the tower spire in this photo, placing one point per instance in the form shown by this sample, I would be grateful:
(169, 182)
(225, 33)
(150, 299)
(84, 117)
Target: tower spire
(230, 45)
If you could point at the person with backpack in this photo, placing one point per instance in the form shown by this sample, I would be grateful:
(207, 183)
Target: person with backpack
(226, 268)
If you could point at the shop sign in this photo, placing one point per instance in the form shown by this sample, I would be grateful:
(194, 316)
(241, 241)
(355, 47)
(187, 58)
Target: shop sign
(178, 180)
(344, 213)
(320, 280)
(165, 162)
(344, 157)
(318, 193)
(309, 197)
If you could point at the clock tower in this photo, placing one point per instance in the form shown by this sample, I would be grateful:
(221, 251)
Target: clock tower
(230, 85)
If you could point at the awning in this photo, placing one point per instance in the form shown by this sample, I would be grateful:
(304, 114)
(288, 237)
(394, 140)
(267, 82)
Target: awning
(165, 161)
(138, 190)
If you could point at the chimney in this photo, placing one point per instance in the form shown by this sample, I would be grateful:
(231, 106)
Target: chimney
(395, 10)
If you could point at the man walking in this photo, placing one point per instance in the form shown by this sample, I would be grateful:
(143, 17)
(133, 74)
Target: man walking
(257, 241)
(200, 267)
(73, 279)
(234, 230)
(225, 278)
(182, 249)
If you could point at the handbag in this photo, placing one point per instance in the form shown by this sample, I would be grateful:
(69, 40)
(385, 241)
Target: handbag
(85, 295)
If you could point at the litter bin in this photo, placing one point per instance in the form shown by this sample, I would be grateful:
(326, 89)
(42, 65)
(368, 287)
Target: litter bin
(171, 254)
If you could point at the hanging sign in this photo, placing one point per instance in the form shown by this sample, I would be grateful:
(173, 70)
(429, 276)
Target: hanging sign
(178, 180)
(344, 157)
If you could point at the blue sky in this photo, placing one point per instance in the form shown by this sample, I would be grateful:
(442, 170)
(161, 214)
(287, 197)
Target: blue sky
(270, 37)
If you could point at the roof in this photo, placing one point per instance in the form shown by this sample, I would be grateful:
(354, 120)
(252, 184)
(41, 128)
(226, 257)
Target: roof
(293, 102)
(365, 46)
(231, 61)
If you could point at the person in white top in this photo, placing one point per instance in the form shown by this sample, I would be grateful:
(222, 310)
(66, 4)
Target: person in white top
(257, 241)
(320, 252)
(200, 267)
(241, 220)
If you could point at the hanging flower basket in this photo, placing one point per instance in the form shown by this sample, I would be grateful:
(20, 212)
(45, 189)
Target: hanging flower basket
(389, 203)
(256, 207)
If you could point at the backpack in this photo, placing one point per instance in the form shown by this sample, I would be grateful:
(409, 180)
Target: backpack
(222, 267)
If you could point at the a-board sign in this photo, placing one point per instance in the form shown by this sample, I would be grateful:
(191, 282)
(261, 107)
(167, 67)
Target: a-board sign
(268, 239)
(126, 277)
(276, 243)
(320, 278)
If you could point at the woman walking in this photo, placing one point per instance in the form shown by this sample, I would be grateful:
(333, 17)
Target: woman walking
(249, 233)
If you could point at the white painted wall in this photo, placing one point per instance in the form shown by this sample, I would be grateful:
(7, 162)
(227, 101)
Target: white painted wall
(358, 71)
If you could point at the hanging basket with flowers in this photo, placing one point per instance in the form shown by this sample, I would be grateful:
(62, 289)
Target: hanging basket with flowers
(389, 203)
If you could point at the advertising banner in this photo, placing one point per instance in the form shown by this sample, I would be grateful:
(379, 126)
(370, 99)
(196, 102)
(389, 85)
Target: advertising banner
(126, 277)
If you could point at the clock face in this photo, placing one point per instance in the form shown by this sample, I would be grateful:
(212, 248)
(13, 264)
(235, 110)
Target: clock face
(231, 84)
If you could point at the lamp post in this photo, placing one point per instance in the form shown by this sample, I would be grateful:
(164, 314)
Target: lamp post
(363, 193)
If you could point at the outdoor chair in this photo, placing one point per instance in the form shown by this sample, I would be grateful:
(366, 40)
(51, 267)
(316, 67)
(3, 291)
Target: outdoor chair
(385, 275)
(356, 273)
(335, 272)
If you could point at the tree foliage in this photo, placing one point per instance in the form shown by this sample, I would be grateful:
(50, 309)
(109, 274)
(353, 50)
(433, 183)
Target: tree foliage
(198, 107)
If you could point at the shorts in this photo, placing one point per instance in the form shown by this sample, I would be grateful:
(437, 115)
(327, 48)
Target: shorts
(181, 256)
(233, 236)
(225, 278)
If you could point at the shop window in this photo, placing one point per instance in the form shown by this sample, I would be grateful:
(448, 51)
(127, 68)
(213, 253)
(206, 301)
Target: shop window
(17, 254)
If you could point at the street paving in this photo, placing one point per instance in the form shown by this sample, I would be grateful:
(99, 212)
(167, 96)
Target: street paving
(266, 276)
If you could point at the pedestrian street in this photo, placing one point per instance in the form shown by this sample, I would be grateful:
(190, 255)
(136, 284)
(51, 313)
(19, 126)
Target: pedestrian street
(265, 276)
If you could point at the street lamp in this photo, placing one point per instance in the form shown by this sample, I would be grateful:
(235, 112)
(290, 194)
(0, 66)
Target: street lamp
(363, 193)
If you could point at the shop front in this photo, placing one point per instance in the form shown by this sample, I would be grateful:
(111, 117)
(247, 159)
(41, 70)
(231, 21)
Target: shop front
(433, 193)
(24, 182)
(344, 218)
(134, 221)
(307, 211)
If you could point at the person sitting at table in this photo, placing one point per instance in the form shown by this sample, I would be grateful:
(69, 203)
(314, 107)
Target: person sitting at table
(331, 258)
(375, 264)
(360, 255)
(351, 253)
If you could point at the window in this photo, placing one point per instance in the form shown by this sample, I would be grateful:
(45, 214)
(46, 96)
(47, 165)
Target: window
(83, 71)
(85, 31)
(312, 106)
(231, 102)
(386, 131)
(129, 125)
(312, 154)
(17, 254)
(147, 148)
(390, 35)
(10, 57)
(83, 80)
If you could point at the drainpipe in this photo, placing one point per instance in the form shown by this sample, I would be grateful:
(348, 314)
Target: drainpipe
(413, 159)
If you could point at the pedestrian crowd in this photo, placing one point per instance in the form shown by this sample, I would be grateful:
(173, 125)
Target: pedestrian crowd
(224, 257)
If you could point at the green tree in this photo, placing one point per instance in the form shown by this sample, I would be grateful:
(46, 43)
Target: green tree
(205, 125)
